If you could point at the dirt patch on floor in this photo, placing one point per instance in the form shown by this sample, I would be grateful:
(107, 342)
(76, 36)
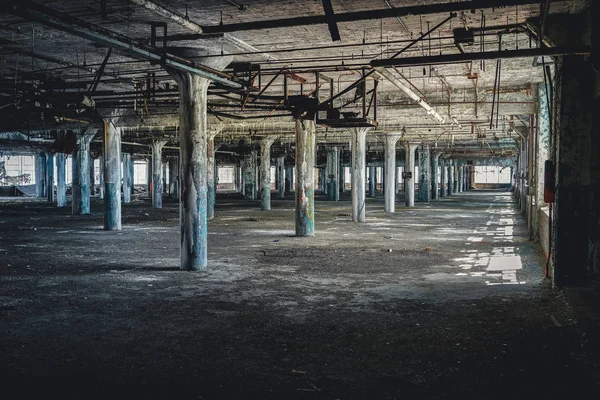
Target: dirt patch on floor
(409, 305)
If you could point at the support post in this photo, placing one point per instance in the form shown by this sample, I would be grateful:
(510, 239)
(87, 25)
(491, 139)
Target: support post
(127, 178)
(50, 177)
(305, 177)
(249, 174)
(359, 170)
(265, 173)
(40, 175)
(61, 180)
(443, 178)
(424, 174)
(390, 181)
(281, 177)
(112, 175)
(101, 176)
(333, 163)
(435, 162)
(92, 177)
(174, 177)
(157, 184)
(193, 161)
(450, 177)
(211, 172)
(289, 179)
(409, 173)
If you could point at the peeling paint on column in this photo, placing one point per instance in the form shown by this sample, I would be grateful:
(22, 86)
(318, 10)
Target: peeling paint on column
(332, 178)
(435, 162)
(424, 195)
(305, 178)
(265, 173)
(112, 176)
(193, 161)
(359, 170)
(157, 184)
(249, 175)
(409, 180)
(61, 186)
(127, 180)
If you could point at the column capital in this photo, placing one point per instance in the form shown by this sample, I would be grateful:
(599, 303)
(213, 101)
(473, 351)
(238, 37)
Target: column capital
(157, 145)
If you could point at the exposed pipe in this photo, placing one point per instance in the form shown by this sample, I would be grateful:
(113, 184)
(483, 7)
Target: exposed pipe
(396, 82)
(63, 22)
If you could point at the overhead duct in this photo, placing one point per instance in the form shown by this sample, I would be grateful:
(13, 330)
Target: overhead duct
(396, 82)
(184, 21)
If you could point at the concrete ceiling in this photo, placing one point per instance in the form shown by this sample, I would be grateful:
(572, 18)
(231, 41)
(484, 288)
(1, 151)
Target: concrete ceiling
(40, 62)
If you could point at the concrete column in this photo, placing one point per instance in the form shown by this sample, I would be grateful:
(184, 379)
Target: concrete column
(424, 194)
(112, 176)
(81, 177)
(289, 178)
(359, 170)
(149, 176)
(390, 182)
(61, 178)
(211, 173)
(443, 178)
(249, 177)
(435, 162)
(127, 178)
(371, 181)
(174, 177)
(40, 175)
(461, 178)
(92, 177)
(281, 176)
(342, 178)
(409, 172)
(101, 175)
(256, 174)
(157, 184)
(397, 179)
(265, 173)
(305, 177)
(450, 177)
(455, 176)
(193, 161)
(333, 164)
(50, 176)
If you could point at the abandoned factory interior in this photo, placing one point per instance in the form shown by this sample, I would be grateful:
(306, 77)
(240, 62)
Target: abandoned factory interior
(300, 199)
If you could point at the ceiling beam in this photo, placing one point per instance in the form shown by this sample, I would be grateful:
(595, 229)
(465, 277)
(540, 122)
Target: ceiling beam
(488, 55)
(63, 22)
(366, 15)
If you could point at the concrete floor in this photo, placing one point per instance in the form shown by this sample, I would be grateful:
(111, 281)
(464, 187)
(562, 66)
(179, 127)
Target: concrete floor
(440, 301)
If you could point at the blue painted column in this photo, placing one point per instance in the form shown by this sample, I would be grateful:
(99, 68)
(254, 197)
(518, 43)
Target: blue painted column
(112, 175)
(289, 179)
(50, 177)
(81, 177)
(372, 181)
(265, 173)
(333, 175)
(305, 177)
(193, 143)
(61, 178)
(211, 172)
